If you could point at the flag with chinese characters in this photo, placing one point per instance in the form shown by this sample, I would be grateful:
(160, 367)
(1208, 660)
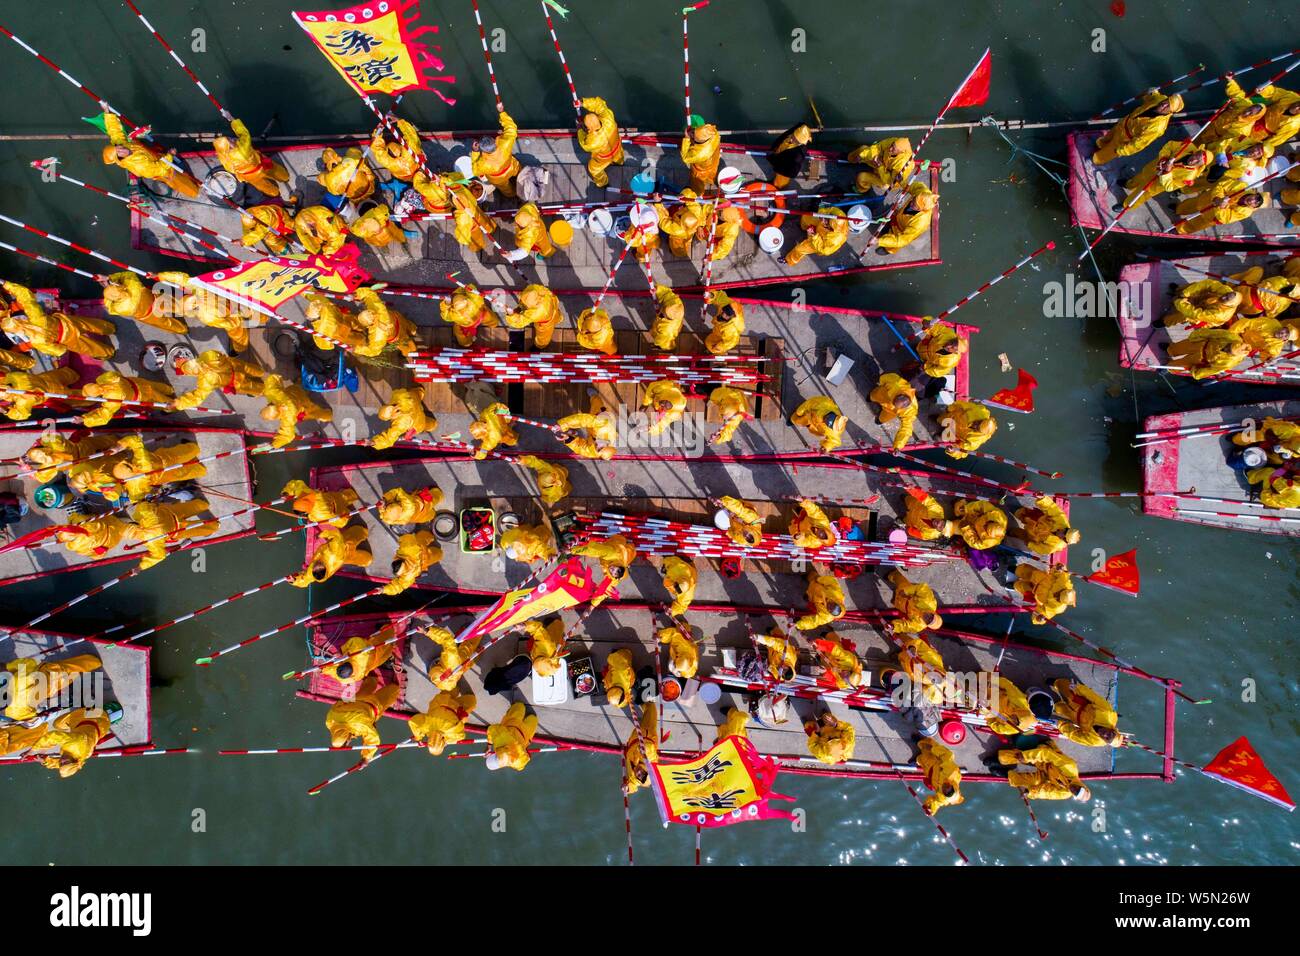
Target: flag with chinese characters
(1119, 574)
(730, 784)
(1018, 399)
(567, 586)
(1239, 766)
(266, 284)
(373, 46)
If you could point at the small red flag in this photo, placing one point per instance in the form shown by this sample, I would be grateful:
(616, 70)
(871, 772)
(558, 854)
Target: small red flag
(1119, 574)
(1239, 766)
(919, 494)
(1018, 399)
(974, 90)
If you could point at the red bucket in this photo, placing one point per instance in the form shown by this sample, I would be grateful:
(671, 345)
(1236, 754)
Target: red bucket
(953, 732)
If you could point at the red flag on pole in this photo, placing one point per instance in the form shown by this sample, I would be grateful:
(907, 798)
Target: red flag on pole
(974, 90)
(1018, 399)
(1238, 765)
(1119, 574)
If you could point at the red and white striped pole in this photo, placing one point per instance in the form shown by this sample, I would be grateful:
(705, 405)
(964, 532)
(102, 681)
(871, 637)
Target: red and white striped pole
(1254, 66)
(382, 751)
(123, 752)
(482, 36)
(225, 113)
(237, 596)
(573, 90)
(989, 482)
(994, 281)
(1133, 99)
(77, 246)
(627, 246)
(51, 262)
(1015, 464)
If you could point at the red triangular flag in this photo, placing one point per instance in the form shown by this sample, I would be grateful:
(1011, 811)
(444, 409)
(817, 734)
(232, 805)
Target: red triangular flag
(1239, 766)
(919, 494)
(33, 538)
(1018, 399)
(1119, 574)
(974, 90)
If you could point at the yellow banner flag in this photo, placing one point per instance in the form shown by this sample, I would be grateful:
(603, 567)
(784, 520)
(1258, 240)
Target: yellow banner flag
(731, 783)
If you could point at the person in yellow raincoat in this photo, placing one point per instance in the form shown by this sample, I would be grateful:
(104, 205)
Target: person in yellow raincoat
(443, 193)
(897, 400)
(910, 221)
(1054, 775)
(348, 175)
(823, 418)
(31, 390)
(117, 388)
(416, 553)
(545, 645)
(810, 528)
(683, 651)
(454, 659)
(642, 239)
(377, 228)
(965, 426)
(335, 549)
(150, 468)
(618, 678)
(356, 718)
(665, 403)
(1266, 338)
(402, 507)
(97, 477)
(782, 654)
(33, 683)
(830, 739)
(320, 506)
(670, 313)
(492, 429)
(1173, 170)
(216, 371)
(242, 160)
(726, 230)
(728, 323)
(641, 749)
(214, 311)
(1228, 202)
(1208, 352)
(824, 235)
(53, 450)
(614, 553)
(733, 410)
(941, 349)
(466, 312)
(590, 434)
(1139, 129)
(889, 164)
(841, 666)
(923, 666)
(528, 543)
(510, 738)
(1281, 122)
(596, 331)
(494, 159)
(332, 323)
(540, 308)
(14, 739)
(384, 326)
(402, 155)
(552, 478)
(787, 155)
(159, 526)
(744, 524)
(319, 230)
(271, 225)
(56, 333)
(364, 656)
(1261, 297)
(1045, 528)
(531, 234)
(1207, 303)
(1084, 717)
(917, 607)
(92, 537)
(1008, 712)
(1234, 126)
(981, 524)
(1048, 592)
(680, 579)
(681, 224)
(289, 403)
(126, 297)
(472, 226)
(923, 516)
(735, 723)
(702, 153)
(825, 602)
(75, 736)
(144, 161)
(406, 417)
(598, 135)
(941, 774)
(1279, 490)
(443, 721)
(1290, 196)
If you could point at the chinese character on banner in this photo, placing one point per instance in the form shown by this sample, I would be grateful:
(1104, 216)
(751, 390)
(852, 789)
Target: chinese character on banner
(266, 284)
(373, 47)
(567, 586)
(730, 784)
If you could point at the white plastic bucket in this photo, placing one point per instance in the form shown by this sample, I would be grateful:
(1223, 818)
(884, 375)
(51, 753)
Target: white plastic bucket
(600, 222)
(465, 166)
(859, 218)
(730, 179)
(770, 240)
